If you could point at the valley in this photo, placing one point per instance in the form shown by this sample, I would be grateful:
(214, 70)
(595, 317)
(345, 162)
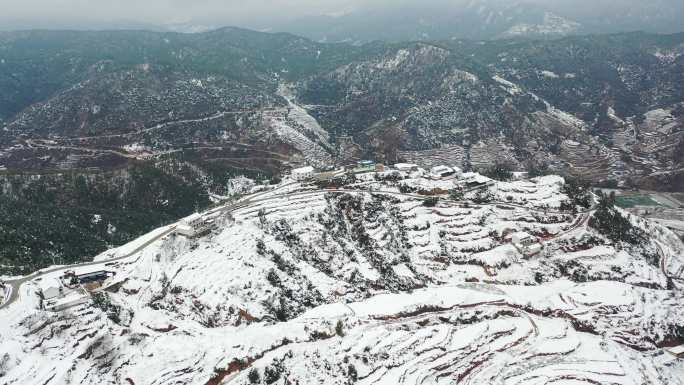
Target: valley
(607, 108)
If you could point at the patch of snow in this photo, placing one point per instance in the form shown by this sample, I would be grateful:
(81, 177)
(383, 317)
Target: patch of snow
(551, 25)
(186, 308)
(667, 56)
(510, 87)
(394, 62)
(611, 114)
(137, 148)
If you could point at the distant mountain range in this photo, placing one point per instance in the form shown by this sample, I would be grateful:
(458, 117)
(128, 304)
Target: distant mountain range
(613, 100)
(145, 127)
(424, 20)
(114, 133)
(490, 19)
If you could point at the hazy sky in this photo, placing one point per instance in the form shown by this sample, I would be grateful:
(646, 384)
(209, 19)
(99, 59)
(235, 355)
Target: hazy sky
(179, 11)
(169, 11)
(25, 14)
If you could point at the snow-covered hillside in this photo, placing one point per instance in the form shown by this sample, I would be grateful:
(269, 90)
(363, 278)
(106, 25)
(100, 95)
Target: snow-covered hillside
(552, 25)
(388, 279)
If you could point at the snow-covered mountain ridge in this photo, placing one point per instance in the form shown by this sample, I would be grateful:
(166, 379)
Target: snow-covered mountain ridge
(371, 280)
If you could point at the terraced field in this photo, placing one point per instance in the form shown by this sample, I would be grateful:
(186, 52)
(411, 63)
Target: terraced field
(366, 284)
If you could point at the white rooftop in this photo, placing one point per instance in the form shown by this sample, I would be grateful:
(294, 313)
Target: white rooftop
(303, 170)
(438, 169)
(71, 297)
(475, 177)
(521, 235)
(677, 350)
(184, 227)
(48, 283)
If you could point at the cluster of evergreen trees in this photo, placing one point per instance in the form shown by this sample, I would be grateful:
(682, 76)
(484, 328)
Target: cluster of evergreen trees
(578, 192)
(59, 219)
(610, 222)
(501, 171)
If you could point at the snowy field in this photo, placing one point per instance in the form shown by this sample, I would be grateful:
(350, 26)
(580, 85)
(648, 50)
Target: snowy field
(365, 284)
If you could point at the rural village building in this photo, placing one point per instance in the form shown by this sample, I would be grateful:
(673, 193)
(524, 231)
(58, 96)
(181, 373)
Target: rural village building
(445, 172)
(527, 244)
(406, 167)
(302, 174)
(193, 226)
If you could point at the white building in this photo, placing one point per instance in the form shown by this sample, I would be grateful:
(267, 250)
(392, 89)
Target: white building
(51, 288)
(52, 292)
(520, 175)
(192, 226)
(473, 179)
(364, 166)
(406, 167)
(57, 297)
(304, 173)
(71, 299)
(526, 244)
(445, 171)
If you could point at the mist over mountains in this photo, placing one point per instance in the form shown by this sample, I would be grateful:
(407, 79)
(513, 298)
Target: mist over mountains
(359, 22)
(490, 19)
